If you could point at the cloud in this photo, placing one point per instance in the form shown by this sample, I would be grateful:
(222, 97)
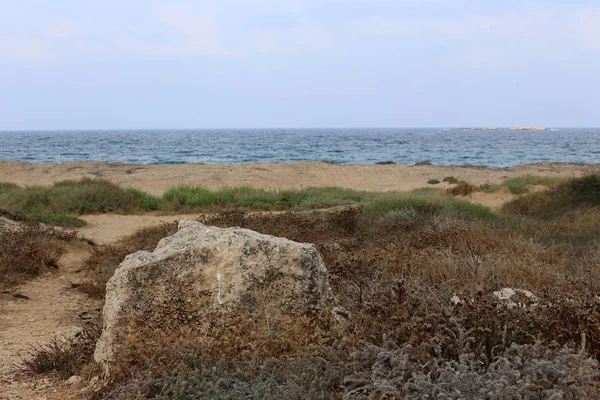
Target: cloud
(41, 44)
(311, 35)
(587, 29)
(63, 29)
(476, 39)
(181, 32)
(24, 50)
(263, 40)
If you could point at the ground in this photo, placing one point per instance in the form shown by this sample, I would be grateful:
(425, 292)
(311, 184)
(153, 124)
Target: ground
(52, 309)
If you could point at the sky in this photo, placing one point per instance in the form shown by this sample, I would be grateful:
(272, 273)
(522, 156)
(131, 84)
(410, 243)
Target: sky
(87, 64)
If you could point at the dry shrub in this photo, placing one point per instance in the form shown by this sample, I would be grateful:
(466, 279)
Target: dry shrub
(396, 277)
(462, 188)
(66, 356)
(28, 249)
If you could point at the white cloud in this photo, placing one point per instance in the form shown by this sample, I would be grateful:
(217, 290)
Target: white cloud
(62, 29)
(263, 40)
(24, 50)
(184, 33)
(587, 29)
(476, 39)
(311, 36)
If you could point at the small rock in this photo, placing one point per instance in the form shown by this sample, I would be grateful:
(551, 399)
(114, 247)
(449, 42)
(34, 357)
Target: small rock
(73, 381)
(455, 300)
(94, 381)
(506, 295)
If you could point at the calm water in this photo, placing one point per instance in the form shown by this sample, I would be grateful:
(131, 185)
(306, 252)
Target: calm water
(364, 146)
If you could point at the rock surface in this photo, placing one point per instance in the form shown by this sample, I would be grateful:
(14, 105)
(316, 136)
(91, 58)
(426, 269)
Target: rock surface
(201, 276)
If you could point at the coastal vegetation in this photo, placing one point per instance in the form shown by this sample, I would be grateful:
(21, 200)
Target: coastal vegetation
(28, 251)
(62, 203)
(417, 273)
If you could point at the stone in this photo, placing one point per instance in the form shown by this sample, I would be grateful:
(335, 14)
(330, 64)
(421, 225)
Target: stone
(8, 225)
(202, 277)
(73, 381)
(506, 295)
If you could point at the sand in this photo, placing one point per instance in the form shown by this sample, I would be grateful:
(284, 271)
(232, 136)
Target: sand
(156, 179)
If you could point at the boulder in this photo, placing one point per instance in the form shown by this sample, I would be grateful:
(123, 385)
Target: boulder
(204, 277)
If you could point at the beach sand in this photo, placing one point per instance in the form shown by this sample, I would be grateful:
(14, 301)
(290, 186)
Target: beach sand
(156, 179)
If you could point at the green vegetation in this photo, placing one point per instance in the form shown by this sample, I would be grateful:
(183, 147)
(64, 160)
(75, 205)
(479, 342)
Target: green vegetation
(519, 184)
(450, 179)
(60, 203)
(566, 196)
(433, 181)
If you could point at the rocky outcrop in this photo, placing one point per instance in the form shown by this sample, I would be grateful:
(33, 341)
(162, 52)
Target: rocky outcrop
(203, 276)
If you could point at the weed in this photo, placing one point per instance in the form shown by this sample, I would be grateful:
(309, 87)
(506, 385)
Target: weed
(65, 356)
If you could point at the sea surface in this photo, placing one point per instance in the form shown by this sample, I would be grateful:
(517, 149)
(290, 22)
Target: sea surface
(444, 146)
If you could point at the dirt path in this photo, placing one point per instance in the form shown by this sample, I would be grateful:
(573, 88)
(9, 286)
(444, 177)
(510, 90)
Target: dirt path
(51, 308)
(108, 228)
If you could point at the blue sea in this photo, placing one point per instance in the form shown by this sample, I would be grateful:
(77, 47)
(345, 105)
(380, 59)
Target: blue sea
(443, 146)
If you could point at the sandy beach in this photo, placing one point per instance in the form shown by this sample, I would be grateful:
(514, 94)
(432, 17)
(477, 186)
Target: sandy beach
(156, 179)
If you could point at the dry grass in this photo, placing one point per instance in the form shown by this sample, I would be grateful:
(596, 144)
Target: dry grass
(29, 249)
(65, 356)
(395, 273)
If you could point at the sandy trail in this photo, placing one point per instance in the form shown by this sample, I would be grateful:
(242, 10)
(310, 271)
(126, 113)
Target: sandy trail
(156, 179)
(109, 228)
(52, 309)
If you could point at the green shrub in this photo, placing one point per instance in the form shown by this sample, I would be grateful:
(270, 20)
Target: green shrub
(146, 201)
(433, 181)
(466, 210)
(6, 187)
(574, 193)
(450, 179)
(519, 184)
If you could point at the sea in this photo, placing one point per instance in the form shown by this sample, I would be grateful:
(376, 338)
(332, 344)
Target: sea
(441, 146)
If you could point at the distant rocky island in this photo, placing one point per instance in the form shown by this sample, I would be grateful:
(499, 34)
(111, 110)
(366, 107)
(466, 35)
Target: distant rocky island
(524, 128)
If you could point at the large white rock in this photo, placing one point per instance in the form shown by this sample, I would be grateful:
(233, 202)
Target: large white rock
(203, 271)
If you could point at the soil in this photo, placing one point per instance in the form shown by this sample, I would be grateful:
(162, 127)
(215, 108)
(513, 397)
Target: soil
(35, 313)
